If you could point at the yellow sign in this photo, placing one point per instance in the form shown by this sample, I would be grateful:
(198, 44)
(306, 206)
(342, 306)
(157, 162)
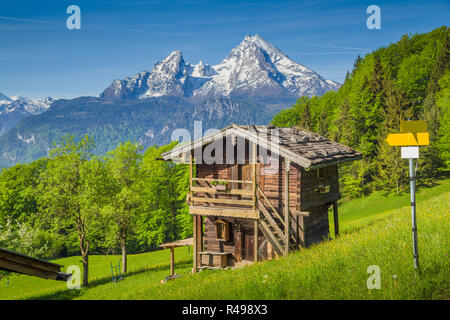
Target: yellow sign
(409, 139)
(413, 126)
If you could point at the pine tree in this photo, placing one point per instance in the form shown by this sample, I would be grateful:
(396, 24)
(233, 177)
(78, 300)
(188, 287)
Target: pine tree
(390, 168)
(356, 64)
(343, 132)
(347, 76)
(431, 159)
(306, 119)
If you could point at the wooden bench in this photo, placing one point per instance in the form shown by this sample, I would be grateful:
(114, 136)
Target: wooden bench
(214, 259)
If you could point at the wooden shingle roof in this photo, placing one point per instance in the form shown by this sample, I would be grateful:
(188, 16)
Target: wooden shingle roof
(311, 146)
(305, 148)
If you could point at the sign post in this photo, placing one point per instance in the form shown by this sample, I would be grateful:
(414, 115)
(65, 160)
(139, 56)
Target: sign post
(412, 187)
(411, 137)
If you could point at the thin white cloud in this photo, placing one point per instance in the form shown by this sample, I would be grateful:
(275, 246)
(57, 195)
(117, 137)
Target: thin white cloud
(328, 52)
(30, 20)
(336, 47)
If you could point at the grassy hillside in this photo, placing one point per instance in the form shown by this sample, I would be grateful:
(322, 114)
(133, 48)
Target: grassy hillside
(151, 263)
(336, 269)
(375, 231)
(362, 211)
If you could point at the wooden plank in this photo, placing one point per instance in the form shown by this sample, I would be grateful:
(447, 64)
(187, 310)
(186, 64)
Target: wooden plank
(194, 270)
(172, 261)
(255, 241)
(224, 201)
(224, 212)
(336, 218)
(266, 231)
(238, 244)
(269, 218)
(200, 233)
(269, 251)
(191, 170)
(29, 261)
(270, 204)
(300, 213)
(26, 269)
(222, 180)
(191, 175)
(254, 182)
(286, 209)
(240, 192)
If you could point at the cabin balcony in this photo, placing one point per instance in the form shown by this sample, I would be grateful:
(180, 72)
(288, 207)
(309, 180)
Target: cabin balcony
(223, 198)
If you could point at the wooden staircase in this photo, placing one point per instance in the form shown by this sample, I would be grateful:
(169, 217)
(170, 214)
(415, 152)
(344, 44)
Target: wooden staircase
(272, 225)
(206, 200)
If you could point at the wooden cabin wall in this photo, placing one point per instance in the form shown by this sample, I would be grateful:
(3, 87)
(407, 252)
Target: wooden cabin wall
(211, 243)
(316, 226)
(272, 179)
(216, 171)
(310, 197)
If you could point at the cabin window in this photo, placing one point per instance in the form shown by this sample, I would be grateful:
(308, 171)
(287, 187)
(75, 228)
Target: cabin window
(222, 230)
(321, 173)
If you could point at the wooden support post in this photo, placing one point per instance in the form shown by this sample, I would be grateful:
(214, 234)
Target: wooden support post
(195, 267)
(286, 207)
(254, 176)
(255, 241)
(237, 232)
(195, 224)
(172, 261)
(335, 218)
(200, 235)
(255, 224)
(191, 175)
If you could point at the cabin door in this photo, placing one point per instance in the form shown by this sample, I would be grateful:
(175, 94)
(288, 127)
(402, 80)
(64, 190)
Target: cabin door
(245, 172)
(248, 246)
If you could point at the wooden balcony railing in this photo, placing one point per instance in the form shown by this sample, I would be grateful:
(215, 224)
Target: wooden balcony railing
(217, 195)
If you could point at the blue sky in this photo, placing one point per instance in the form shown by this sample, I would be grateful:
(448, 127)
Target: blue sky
(40, 57)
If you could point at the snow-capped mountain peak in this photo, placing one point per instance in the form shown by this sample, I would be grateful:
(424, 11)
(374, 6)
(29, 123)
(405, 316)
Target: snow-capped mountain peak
(254, 68)
(32, 106)
(264, 45)
(4, 99)
(15, 108)
(202, 70)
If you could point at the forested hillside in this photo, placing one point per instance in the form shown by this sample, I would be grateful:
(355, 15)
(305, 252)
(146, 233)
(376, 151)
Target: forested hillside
(409, 79)
(75, 202)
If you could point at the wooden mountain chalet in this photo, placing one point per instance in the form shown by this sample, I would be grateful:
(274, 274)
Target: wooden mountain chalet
(267, 192)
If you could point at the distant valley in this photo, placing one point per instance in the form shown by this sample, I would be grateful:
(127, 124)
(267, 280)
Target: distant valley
(253, 83)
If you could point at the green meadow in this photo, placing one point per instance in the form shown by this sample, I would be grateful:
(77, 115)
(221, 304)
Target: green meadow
(375, 230)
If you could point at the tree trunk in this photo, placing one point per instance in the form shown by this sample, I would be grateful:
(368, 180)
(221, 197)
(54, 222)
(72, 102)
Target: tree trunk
(85, 258)
(124, 255)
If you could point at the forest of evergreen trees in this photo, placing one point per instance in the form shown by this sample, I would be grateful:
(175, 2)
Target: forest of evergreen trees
(73, 202)
(409, 79)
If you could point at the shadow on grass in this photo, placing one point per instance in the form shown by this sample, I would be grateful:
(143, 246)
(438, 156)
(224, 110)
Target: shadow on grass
(421, 184)
(67, 294)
